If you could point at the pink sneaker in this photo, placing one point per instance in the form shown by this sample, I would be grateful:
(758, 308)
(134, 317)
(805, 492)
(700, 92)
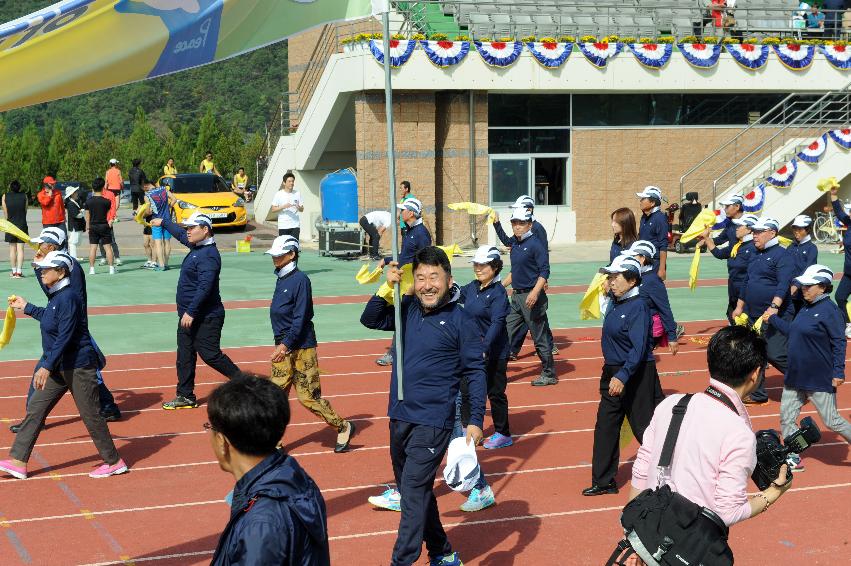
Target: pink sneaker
(105, 470)
(13, 470)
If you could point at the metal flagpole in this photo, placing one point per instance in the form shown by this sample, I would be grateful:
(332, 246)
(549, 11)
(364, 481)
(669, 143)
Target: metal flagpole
(391, 177)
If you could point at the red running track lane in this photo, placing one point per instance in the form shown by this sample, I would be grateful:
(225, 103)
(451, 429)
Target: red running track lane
(170, 503)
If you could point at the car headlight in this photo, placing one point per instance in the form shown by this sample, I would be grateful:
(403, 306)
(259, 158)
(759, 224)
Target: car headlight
(185, 205)
(240, 203)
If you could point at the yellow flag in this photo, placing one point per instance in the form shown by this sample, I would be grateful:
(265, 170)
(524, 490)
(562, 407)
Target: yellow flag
(626, 434)
(589, 306)
(757, 326)
(386, 291)
(694, 270)
(8, 326)
(848, 309)
(741, 320)
(785, 242)
(735, 249)
(827, 183)
(452, 250)
(9, 228)
(365, 276)
(704, 219)
(141, 213)
(474, 208)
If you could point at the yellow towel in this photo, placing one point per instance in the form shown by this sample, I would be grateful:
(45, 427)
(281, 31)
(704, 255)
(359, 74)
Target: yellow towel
(589, 306)
(757, 326)
(735, 249)
(473, 208)
(626, 434)
(704, 219)
(452, 250)
(386, 291)
(785, 242)
(365, 276)
(741, 320)
(9, 228)
(848, 309)
(141, 213)
(694, 270)
(827, 183)
(8, 326)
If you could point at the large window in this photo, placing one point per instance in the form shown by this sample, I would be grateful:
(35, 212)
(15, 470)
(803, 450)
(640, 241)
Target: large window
(528, 110)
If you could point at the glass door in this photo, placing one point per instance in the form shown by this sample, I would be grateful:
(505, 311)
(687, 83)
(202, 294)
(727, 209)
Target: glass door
(510, 177)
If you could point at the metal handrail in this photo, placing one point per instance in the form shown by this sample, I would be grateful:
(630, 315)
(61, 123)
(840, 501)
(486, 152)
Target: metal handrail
(798, 121)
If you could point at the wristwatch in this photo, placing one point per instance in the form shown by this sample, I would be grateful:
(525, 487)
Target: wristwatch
(775, 307)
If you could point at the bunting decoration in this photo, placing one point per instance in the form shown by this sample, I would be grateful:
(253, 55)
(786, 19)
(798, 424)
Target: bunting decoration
(838, 55)
(499, 53)
(720, 219)
(815, 151)
(755, 200)
(445, 53)
(598, 54)
(700, 55)
(652, 55)
(550, 55)
(841, 137)
(795, 57)
(783, 177)
(749, 56)
(400, 51)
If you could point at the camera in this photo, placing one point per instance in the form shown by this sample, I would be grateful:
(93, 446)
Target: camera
(771, 453)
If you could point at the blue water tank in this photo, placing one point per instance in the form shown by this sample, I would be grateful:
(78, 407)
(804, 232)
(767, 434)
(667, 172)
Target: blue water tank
(339, 193)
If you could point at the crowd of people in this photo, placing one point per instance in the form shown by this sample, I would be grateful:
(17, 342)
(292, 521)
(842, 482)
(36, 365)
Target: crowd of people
(456, 340)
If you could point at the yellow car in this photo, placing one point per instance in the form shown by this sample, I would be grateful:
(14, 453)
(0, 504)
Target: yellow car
(208, 194)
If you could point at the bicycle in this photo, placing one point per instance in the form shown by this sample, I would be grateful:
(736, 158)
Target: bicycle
(825, 230)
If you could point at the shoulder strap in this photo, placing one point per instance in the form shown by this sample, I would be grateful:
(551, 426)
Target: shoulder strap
(679, 412)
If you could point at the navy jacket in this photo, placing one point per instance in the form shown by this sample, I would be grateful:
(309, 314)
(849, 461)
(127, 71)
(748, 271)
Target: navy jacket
(737, 267)
(616, 250)
(440, 348)
(655, 294)
(817, 338)
(416, 238)
(488, 307)
(198, 286)
(529, 259)
(277, 518)
(78, 284)
(627, 338)
(537, 229)
(839, 211)
(292, 311)
(803, 255)
(728, 233)
(65, 340)
(654, 228)
(769, 275)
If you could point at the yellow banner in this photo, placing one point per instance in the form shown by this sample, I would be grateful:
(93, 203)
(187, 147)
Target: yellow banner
(79, 46)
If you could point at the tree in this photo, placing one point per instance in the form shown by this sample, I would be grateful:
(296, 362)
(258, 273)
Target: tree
(208, 136)
(144, 144)
(31, 161)
(57, 147)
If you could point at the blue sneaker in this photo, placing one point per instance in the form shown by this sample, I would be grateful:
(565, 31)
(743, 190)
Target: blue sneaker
(391, 500)
(497, 440)
(446, 560)
(478, 500)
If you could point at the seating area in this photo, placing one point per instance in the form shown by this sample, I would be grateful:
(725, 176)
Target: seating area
(639, 18)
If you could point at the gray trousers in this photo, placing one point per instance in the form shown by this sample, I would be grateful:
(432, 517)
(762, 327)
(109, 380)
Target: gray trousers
(84, 388)
(825, 404)
(536, 319)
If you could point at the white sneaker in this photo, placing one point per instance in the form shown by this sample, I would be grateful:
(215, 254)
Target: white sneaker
(848, 330)
(112, 270)
(118, 261)
(91, 271)
(102, 261)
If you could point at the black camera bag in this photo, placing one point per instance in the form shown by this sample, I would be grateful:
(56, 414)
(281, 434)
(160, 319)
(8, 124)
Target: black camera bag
(664, 528)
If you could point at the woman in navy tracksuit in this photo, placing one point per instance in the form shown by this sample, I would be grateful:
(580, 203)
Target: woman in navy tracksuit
(623, 227)
(804, 253)
(738, 256)
(628, 384)
(655, 294)
(844, 288)
(816, 364)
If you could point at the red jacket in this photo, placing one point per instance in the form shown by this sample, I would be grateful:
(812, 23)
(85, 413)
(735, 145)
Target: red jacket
(52, 207)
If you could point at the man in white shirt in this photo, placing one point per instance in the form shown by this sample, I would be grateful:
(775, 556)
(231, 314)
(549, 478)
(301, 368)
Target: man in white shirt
(375, 223)
(288, 204)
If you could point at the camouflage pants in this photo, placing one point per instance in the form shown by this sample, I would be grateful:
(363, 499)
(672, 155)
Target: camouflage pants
(301, 368)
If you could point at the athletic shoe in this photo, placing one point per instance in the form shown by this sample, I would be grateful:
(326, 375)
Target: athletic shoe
(555, 350)
(344, 446)
(797, 464)
(102, 261)
(391, 500)
(105, 470)
(479, 500)
(13, 470)
(542, 380)
(512, 357)
(91, 271)
(848, 330)
(16, 427)
(748, 400)
(112, 270)
(111, 416)
(680, 331)
(385, 360)
(158, 268)
(497, 440)
(118, 261)
(446, 560)
(180, 402)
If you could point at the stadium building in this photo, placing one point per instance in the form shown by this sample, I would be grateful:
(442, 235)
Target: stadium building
(538, 103)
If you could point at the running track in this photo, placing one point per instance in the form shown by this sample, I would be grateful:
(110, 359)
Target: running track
(168, 510)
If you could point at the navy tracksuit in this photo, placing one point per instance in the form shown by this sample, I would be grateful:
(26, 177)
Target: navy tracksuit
(844, 287)
(803, 255)
(653, 227)
(769, 275)
(627, 345)
(292, 311)
(441, 347)
(416, 238)
(198, 295)
(616, 250)
(655, 294)
(737, 268)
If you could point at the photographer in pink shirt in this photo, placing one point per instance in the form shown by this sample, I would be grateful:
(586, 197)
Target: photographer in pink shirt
(718, 454)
